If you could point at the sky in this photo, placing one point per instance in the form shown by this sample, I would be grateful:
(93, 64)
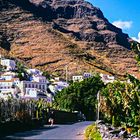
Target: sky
(124, 14)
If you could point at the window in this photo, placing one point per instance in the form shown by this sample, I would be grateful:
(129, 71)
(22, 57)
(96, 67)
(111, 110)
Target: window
(28, 92)
(36, 86)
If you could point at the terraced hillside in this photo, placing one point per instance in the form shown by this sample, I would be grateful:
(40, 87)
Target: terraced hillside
(53, 34)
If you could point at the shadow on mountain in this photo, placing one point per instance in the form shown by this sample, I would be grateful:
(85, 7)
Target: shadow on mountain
(47, 13)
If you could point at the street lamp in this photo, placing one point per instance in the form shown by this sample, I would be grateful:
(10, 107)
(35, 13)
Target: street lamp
(98, 105)
(98, 108)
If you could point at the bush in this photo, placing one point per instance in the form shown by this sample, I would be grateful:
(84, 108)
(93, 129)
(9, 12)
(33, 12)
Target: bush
(92, 133)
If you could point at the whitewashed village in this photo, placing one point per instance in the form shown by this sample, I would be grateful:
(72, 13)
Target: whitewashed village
(37, 86)
(69, 69)
(34, 86)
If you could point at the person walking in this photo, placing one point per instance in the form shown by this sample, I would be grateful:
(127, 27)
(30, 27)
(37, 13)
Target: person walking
(51, 118)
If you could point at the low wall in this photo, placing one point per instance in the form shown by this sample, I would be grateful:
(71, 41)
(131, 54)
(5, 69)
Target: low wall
(62, 117)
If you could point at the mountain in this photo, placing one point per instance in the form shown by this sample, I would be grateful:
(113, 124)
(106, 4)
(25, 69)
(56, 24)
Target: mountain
(53, 34)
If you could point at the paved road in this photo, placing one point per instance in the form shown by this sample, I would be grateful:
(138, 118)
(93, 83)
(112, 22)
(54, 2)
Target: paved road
(68, 131)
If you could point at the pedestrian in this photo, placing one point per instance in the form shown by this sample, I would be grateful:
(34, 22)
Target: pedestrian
(51, 118)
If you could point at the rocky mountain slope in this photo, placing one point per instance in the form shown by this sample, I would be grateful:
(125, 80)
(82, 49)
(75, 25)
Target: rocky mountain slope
(53, 34)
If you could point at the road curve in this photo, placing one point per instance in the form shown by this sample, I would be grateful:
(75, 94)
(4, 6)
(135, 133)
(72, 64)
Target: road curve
(69, 131)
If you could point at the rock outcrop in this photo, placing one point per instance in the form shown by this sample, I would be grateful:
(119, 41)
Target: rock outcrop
(50, 34)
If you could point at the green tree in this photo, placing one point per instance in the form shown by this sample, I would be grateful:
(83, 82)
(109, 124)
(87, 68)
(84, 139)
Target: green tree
(80, 96)
(46, 74)
(21, 71)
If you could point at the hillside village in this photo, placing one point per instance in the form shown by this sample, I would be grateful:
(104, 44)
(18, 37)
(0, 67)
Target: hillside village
(36, 85)
(63, 62)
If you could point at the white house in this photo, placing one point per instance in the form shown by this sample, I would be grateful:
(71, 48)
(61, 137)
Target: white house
(8, 75)
(26, 88)
(36, 94)
(107, 78)
(34, 72)
(60, 85)
(39, 78)
(9, 87)
(29, 86)
(33, 93)
(56, 78)
(6, 86)
(77, 78)
(10, 64)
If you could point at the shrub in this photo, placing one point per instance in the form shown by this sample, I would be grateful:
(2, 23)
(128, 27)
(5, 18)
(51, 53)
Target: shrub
(92, 133)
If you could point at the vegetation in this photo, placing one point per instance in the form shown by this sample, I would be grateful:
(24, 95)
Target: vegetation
(120, 103)
(46, 74)
(80, 96)
(21, 110)
(92, 133)
(2, 68)
(136, 48)
(21, 72)
(21, 115)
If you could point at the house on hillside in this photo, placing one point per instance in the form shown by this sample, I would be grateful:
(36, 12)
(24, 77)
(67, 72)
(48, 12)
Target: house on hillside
(10, 64)
(9, 87)
(31, 86)
(107, 78)
(58, 86)
(34, 93)
(87, 75)
(8, 75)
(35, 89)
(36, 84)
(77, 78)
(39, 78)
(34, 72)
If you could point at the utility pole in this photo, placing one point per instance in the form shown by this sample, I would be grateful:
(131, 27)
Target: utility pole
(66, 73)
(30, 55)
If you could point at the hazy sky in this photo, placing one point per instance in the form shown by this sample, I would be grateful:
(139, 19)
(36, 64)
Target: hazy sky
(124, 14)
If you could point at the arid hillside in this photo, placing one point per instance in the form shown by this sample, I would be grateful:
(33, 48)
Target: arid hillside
(54, 34)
